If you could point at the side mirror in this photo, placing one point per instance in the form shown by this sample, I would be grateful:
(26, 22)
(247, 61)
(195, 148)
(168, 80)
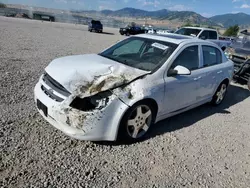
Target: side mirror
(179, 70)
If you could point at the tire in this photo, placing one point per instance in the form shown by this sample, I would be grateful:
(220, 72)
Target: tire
(248, 84)
(219, 94)
(90, 30)
(136, 122)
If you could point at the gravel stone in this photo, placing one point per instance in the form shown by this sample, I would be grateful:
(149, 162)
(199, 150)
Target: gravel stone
(205, 147)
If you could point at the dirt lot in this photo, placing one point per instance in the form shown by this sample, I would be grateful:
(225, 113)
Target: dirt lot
(205, 147)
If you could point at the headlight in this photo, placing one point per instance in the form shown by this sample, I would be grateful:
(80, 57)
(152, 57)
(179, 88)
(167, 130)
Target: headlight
(228, 55)
(97, 101)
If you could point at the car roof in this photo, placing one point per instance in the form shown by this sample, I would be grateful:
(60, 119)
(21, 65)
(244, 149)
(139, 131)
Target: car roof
(201, 28)
(175, 38)
(170, 37)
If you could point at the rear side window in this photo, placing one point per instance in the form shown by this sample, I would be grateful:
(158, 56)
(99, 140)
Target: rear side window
(208, 35)
(204, 35)
(188, 58)
(212, 35)
(211, 56)
(96, 22)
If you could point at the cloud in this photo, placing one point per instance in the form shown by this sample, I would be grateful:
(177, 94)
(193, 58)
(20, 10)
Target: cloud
(245, 6)
(179, 8)
(109, 5)
(77, 2)
(206, 15)
(154, 3)
(234, 1)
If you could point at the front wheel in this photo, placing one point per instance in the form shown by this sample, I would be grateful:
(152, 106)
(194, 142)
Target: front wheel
(136, 122)
(248, 83)
(219, 94)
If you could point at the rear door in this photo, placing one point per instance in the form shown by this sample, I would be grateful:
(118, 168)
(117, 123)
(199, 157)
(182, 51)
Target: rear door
(212, 71)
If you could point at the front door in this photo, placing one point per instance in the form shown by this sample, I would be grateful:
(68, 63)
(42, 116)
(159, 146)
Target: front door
(181, 90)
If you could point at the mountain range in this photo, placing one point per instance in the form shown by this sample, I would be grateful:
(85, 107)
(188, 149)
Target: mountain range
(191, 17)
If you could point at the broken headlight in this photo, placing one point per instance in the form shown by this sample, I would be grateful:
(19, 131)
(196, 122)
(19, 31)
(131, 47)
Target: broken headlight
(97, 101)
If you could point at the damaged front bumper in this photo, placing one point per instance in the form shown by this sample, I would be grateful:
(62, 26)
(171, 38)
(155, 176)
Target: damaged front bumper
(94, 125)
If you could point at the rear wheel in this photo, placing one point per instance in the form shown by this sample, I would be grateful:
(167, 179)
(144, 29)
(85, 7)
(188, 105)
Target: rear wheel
(219, 94)
(136, 122)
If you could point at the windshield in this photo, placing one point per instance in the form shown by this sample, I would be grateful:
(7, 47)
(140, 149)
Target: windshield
(242, 41)
(141, 53)
(188, 31)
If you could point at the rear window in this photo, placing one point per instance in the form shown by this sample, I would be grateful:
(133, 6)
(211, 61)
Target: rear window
(95, 22)
(188, 31)
(212, 35)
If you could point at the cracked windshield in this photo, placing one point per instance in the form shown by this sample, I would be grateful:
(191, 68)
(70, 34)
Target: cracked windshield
(124, 93)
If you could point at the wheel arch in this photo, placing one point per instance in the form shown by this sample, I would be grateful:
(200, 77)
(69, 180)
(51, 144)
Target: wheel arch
(153, 104)
(226, 80)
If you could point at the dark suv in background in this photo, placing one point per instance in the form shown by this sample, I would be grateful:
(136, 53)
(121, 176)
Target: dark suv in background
(95, 25)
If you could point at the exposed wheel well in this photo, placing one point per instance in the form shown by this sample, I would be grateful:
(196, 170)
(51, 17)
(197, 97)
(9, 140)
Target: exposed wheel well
(223, 48)
(226, 81)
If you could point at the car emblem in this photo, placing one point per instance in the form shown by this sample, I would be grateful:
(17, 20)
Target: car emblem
(51, 90)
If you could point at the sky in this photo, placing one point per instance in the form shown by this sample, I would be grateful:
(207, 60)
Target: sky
(206, 8)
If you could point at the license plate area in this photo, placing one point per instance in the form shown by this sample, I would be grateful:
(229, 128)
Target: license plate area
(42, 107)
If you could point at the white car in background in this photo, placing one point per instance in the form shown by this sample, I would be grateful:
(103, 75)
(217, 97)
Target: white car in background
(151, 31)
(123, 91)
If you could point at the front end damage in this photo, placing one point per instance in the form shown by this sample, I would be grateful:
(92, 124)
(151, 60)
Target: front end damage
(92, 109)
(241, 59)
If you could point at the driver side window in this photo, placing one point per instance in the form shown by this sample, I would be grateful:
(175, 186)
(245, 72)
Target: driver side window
(188, 58)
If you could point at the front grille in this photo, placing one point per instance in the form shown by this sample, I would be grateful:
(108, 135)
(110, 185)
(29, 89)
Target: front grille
(51, 94)
(54, 86)
(238, 62)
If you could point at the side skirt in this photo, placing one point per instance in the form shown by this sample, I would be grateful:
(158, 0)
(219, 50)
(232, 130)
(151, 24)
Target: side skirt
(159, 118)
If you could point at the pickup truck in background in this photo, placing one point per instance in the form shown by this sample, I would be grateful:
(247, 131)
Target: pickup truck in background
(95, 25)
(205, 34)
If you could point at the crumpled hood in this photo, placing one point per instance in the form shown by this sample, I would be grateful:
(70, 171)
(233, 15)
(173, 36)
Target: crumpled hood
(85, 75)
(242, 52)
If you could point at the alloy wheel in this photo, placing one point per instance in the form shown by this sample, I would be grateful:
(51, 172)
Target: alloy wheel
(139, 121)
(221, 93)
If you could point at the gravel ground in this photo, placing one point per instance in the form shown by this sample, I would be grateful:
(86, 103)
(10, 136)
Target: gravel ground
(205, 147)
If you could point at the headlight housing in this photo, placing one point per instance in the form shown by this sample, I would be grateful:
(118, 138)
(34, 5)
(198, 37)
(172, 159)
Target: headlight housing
(97, 101)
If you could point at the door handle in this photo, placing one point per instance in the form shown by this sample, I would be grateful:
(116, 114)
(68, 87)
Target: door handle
(219, 72)
(195, 79)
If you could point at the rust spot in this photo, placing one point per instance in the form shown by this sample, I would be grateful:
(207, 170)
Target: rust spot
(130, 96)
(97, 88)
(68, 121)
(85, 87)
